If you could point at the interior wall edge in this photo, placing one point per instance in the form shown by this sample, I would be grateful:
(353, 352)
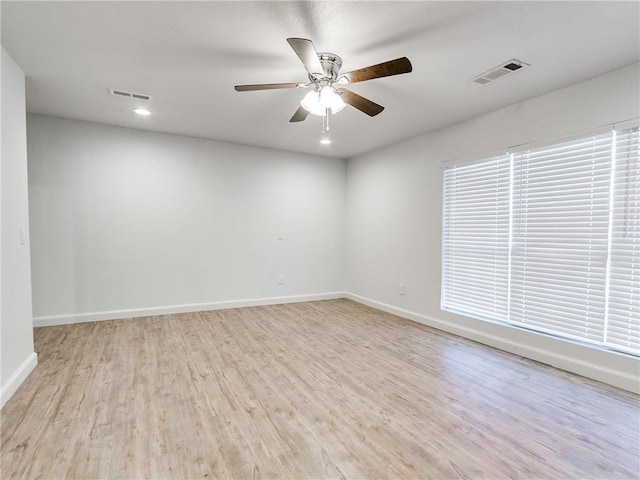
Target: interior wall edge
(16, 379)
(617, 378)
(17, 357)
(52, 320)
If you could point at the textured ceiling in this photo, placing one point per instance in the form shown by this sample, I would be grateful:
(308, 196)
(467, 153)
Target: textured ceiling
(188, 56)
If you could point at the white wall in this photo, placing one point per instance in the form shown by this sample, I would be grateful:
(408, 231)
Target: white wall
(394, 213)
(17, 357)
(129, 222)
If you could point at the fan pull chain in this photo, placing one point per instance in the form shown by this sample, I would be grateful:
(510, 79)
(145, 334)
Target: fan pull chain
(325, 120)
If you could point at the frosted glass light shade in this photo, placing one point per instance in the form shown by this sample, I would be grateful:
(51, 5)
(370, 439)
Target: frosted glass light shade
(316, 102)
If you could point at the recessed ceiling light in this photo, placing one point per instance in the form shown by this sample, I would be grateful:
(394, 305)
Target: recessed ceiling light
(142, 111)
(325, 141)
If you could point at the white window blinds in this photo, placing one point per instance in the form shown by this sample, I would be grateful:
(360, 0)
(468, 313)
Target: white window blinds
(549, 240)
(559, 256)
(476, 238)
(623, 307)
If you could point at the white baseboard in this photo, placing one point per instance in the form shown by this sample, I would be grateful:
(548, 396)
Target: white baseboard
(19, 376)
(48, 321)
(621, 379)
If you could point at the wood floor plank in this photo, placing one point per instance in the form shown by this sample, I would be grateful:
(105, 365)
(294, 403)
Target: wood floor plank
(329, 389)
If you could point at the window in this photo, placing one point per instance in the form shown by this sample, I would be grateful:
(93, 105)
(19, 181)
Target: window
(549, 240)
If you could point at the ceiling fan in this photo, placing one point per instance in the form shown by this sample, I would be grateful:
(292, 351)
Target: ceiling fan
(328, 94)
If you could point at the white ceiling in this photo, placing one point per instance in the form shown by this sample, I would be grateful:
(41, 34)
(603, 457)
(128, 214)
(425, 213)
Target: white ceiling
(188, 56)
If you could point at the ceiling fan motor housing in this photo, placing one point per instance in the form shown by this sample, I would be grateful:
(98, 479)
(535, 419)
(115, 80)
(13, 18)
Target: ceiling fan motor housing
(331, 64)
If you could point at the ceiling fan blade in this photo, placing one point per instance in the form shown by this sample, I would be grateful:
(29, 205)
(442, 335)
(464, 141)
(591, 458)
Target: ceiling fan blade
(307, 52)
(363, 104)
(265, 86)
(386, 69)
(300, 115)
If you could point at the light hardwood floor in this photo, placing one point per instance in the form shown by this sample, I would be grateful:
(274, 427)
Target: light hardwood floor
(329, 389)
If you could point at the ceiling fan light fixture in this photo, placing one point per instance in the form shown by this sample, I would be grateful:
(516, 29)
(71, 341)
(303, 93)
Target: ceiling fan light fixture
(317, 102)
(328, 95)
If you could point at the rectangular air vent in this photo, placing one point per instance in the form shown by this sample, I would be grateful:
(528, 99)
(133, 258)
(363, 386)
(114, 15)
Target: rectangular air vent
(124, 93)
(500, 71)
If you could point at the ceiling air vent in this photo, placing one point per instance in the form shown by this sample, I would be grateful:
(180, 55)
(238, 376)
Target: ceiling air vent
(499, 72)
(124, 93)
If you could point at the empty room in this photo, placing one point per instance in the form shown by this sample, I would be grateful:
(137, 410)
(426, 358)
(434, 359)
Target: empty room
(317, 239)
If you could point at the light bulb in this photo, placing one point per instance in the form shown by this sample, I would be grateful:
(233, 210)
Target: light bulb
(325, 141)
(142, 111)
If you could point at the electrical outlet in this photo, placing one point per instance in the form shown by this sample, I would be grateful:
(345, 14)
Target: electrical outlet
(280, 279)
(402, 289)
(256, 294)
